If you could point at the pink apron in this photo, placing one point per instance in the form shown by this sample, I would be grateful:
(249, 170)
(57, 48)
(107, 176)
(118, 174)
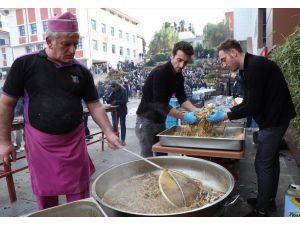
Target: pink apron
(58, 164)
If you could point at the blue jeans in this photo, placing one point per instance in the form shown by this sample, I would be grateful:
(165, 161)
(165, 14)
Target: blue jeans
(267, 165)
(122, 119)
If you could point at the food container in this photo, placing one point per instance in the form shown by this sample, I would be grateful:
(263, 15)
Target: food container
(83, 208)
(209, 173)
(231, 138)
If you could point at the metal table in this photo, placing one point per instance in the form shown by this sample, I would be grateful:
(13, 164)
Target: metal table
(200, 152)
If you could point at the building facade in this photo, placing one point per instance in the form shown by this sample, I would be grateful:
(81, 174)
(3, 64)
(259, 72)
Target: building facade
(107, 36)
(259, 30)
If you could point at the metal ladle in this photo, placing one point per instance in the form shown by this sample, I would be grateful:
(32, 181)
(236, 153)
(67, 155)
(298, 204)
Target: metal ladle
(177, 188)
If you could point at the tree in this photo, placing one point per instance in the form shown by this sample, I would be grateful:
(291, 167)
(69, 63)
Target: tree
(214, 34)
(163, 40)
(175, 26)
(198, 51)
(182, 26)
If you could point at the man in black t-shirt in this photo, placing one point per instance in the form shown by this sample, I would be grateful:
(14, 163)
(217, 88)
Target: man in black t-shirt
(53, 84)
(160, 85)
(267, 99)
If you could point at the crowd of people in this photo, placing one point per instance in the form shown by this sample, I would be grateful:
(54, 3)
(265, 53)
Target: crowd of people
(59, 81)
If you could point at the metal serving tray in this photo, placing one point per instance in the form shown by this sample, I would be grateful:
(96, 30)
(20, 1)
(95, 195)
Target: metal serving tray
(233, 139)
(83, 208)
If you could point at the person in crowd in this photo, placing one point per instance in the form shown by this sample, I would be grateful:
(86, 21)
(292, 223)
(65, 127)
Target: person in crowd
(160, 85)
(85, 122)
(53, 84)
(238, 84)
(119, 97)
(101, 90)
(188, 92)
(268, 100)
(17, 135)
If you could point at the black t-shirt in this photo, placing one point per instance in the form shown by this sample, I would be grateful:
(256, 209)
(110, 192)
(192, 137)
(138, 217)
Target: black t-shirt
(159, 86)
(52, 94)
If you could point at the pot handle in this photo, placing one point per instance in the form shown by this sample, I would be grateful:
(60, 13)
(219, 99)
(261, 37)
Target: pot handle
(230, 201)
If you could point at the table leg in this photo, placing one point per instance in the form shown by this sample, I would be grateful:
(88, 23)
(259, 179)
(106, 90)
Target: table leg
(116, 121)
(10, 184)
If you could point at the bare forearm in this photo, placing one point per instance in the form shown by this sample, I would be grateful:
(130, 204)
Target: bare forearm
(100, 117)
(6, 118)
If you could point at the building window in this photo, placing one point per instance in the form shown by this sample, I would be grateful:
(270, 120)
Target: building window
(121, 50)
(133, 38)
(45, 26)
(120, 34)
(22, 30)
(29, 48)
(128, 52)
(103, 28)
(113, 49)
(134, 53)
(4, 56)
(2, 42)
(79, 45)
(40, 46)
(94, 24)
(33, 28)
(104, 47)
(127, 37)
(112, 31)
(95, 45)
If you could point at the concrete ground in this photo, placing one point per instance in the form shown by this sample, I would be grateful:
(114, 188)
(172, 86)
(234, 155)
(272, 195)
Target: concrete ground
(245, 186)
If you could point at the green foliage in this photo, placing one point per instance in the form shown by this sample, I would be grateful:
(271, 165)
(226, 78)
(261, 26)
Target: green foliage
(287, 57)
(148, 68)
(161, 56)
(214, 34)
(114, 75)
(150, 63)
(163, 40)
(199, 51)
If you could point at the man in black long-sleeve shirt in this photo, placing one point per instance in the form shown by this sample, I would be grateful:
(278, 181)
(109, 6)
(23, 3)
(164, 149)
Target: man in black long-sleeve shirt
(161, 84)
(268, 100)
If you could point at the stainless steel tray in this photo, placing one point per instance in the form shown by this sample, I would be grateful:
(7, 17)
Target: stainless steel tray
(83, 208)
(233, 139)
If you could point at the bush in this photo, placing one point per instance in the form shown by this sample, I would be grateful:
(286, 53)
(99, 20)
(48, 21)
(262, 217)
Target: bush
(150, 63)
(161, 56)
(287, 57)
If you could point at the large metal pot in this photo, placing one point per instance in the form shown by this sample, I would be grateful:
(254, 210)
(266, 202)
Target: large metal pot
(211, 174)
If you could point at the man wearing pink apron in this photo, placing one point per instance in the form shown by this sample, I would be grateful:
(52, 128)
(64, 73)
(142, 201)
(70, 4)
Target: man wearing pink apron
(53, 84)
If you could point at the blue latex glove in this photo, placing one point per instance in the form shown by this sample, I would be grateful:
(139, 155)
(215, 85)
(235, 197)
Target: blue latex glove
(189, 117)
(216, 116)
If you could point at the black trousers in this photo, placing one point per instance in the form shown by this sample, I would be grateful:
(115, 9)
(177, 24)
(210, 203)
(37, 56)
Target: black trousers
(267, 165)
(146, 132)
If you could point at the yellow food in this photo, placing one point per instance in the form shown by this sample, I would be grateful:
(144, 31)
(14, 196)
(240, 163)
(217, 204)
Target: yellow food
(200, 129)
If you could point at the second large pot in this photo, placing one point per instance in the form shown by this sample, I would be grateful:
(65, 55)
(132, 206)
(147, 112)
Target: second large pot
(211, 174)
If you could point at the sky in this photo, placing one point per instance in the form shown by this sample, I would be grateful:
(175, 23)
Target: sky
(153, 18)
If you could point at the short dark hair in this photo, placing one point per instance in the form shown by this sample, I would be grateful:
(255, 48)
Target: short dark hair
(229, 44)
(114, 83)
(184, 46)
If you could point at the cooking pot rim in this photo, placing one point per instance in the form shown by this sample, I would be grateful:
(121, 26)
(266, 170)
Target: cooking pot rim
(230, 188)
